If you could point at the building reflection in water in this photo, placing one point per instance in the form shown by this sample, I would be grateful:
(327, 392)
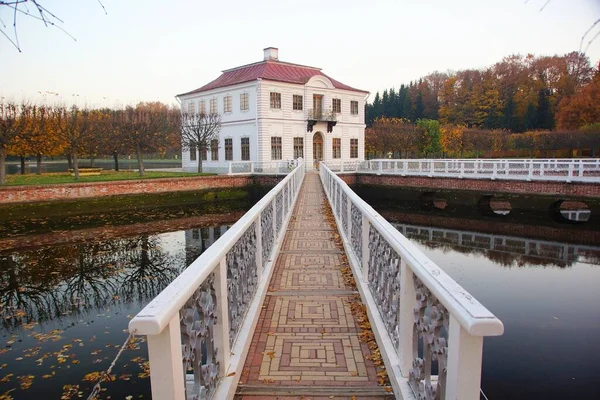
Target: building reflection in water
(506, 250)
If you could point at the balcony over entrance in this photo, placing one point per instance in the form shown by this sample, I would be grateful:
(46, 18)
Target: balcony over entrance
(320, 115)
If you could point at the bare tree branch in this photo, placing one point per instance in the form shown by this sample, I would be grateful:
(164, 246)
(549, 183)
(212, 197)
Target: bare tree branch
(586, 33)
(48, 18)
(198, 130)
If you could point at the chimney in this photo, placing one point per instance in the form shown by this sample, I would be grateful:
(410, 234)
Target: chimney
(271, 53)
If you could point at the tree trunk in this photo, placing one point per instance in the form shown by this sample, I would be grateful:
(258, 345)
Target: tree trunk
(75, 164)
(140, 160)
(91, 161)
(70, 161)
(22, 165)
(116, 158)
(200, 162)
(2, 165)
(39, 163)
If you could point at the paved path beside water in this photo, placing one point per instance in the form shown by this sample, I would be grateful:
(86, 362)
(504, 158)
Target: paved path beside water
(307, 342)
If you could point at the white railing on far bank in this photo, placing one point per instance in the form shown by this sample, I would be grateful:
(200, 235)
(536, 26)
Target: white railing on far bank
(558, 169)
(429, 329)
(258, 168)
(199, 328)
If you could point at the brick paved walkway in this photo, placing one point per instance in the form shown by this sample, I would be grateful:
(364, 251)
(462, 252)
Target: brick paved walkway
(306, 344)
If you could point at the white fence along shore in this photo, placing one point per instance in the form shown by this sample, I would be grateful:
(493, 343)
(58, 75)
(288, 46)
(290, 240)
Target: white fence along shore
(565, 170)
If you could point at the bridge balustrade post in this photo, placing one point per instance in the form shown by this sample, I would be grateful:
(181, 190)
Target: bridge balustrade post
(404, 167)
(406, 310)
(222, 323)
(252, 167)
(570, 173)
(166, 362)
(494, 170)
(342, 169)
(366, 252)
(229, 171)
(380, 167)
(580, 167)
(530, 173)
(462, 169)
(542, 169)
(464, 363)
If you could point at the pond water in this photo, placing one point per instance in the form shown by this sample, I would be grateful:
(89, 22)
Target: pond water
(65, 310)
(69, 288)
(546, 292)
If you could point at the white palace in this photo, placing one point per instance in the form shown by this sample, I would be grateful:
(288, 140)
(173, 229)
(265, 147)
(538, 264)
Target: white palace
(274, 110)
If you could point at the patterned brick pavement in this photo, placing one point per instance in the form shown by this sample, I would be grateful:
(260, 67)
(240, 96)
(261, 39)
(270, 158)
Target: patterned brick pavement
(306, 344)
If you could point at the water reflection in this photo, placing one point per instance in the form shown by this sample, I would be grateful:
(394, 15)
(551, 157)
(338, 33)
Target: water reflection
(505, 250)
(79, 294)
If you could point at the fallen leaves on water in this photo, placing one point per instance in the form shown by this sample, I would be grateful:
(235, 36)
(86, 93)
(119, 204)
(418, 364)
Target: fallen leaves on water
(96, 375)
(69, 391)
(25, 381)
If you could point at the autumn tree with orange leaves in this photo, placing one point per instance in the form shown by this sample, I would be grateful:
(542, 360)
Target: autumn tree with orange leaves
(582, 108)
(9, 128)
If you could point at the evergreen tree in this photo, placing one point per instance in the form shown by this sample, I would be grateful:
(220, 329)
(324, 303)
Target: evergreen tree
(419, 107)
(531, 121)
(390, 109)
(385, 98)
(545, 117)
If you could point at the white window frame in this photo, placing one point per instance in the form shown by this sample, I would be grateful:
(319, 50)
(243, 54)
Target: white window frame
(214, 106)
(297, 102)
(337, 110)
(336, 150)
(275, 100)
(245, 148)
(244, 101)
(228, 151)
(354, 107)
(353, 148)
(227, 104)
(276, 150)
(298, 147)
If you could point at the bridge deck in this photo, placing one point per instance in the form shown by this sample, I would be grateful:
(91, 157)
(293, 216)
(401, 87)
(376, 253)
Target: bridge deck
(307, 343)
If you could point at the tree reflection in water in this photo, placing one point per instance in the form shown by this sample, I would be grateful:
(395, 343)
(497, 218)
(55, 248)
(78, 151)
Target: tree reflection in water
(49, 283)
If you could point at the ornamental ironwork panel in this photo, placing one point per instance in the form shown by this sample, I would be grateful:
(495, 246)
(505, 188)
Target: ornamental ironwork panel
(242, 279)
(356, 232)
(197, 319)
(278, 212)
(430, 333)
(339, 201)
(285, 199)
(267, 234)
(384, 282)
(344, 212)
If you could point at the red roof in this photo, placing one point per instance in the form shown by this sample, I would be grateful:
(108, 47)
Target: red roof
(270, 70)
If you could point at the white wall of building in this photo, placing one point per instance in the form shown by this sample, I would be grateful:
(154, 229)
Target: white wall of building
(260, 122)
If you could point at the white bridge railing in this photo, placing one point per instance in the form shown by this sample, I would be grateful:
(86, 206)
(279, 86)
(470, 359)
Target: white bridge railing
(429, 329)
(199, 328)
(566, 169)
(256, 167)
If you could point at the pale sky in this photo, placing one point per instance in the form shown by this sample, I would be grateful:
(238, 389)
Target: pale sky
(147, 50)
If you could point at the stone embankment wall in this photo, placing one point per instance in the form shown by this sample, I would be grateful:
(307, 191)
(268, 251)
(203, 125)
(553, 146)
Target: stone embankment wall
(573, 189)
(30, 194)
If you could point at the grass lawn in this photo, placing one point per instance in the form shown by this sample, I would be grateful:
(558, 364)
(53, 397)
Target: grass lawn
(65, 177)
